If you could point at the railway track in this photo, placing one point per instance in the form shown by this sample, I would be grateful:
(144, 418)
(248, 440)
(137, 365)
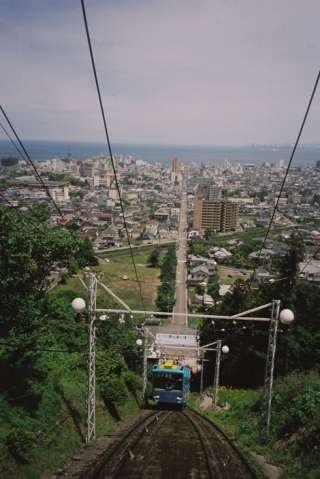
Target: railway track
(175, 445)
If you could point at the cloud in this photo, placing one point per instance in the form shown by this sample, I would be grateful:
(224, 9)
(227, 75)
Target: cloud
(175, 71)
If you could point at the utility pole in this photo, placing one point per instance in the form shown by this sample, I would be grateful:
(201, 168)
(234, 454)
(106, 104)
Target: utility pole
(218, 348)
(217, 373)
(286, 316)
(145, 365)
(201, 378)
(268, 379)
(91, 371)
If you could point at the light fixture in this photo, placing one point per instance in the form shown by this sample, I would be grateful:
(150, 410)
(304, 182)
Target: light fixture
(286, 316)
(78, 304)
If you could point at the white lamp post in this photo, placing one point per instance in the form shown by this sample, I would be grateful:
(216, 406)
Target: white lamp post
(225, 349)
(139, 343)
(286, 316)
(218, 348)
(203, 360)
(78, 305)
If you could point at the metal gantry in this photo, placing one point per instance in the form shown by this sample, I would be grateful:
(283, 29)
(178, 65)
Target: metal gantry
(146, 335)
(217, 349)
(270, 360)
(217, 374)
(203, 360)
(91, 379)
(145, 364)
(269, 370)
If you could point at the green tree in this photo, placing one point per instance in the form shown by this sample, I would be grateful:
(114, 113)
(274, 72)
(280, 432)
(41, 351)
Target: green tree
(29, 251)
(198, 247)
(289, 264)
(153, 259)
(166, 291)
(213, 289)
(199, 289)
(3, 184)
(298, 346)
(210, 235)
(109, 368)
(86, 253)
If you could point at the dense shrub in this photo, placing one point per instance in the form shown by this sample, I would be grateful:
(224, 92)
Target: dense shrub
(296, 404)
(132, 381)
(166, 291)
(113, 390)
(19, 441)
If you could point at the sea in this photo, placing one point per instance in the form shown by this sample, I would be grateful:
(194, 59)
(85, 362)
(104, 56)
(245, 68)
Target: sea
(306, 155)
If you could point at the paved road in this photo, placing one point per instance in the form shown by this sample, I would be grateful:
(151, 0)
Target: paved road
(181, 305)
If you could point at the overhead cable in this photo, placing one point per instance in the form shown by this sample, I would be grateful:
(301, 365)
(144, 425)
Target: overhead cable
(5, 131)
(287, 170)
(28, 158)
(109, 146)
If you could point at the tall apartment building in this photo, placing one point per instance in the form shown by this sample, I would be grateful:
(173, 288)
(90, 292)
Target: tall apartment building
(175, 166)
(214, 213)
(176, 171)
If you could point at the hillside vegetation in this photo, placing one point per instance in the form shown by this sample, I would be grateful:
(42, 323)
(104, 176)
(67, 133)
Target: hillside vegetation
(298, 345)
(294, 439)
(43, 349)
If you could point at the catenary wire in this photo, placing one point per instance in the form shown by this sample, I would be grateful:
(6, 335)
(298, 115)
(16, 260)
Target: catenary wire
(109, 145)
(287, 170)
(5, 131)
(28, 158)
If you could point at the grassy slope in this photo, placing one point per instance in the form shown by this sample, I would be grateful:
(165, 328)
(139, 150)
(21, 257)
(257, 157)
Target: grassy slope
(128, 290)
(120, 264)
(243, 424)
(62, 420)
(224, 273)
(58, 428)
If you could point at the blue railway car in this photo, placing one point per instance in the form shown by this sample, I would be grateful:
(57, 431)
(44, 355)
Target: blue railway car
(171, 384)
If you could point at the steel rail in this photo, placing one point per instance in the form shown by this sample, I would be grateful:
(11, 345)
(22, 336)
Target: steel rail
(230, 442)
(144, 464)
(121, 447)
(213, 474)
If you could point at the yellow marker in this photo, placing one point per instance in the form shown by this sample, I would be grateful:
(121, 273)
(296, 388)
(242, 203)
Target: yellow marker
(168, 364)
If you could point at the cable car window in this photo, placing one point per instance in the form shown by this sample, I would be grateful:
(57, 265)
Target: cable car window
(167, 381)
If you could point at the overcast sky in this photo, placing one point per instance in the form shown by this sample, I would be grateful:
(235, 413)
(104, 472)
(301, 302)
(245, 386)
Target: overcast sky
(215, 72)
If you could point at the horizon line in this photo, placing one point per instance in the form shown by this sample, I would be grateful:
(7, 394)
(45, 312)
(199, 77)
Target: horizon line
(175, 145)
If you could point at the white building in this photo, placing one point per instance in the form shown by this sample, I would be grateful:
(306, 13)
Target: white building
(60, 193)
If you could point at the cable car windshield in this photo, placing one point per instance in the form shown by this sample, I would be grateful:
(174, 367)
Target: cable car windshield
(167, 381)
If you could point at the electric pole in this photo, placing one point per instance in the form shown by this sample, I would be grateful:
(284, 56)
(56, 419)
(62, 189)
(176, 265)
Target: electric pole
(217, 373)
(145, 365)
(91, 371)
(268, 379)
